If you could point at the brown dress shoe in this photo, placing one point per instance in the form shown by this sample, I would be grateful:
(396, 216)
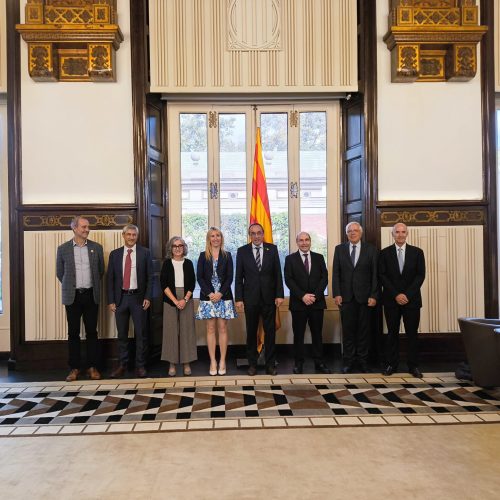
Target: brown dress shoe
(141, 372)
(118, 372)
(93, 373)
(73, 375)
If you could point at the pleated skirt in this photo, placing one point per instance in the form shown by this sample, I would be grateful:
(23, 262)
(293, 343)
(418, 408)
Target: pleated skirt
(179, 336)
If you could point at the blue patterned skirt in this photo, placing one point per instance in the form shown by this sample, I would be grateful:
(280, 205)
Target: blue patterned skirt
(223, 309)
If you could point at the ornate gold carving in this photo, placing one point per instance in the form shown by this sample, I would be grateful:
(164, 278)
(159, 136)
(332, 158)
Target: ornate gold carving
(71, 40)
(31, 222)
(420, 28)
(212, 119)
(432, 217)
(294, 118)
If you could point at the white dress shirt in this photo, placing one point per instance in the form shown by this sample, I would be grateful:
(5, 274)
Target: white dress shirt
(303, 255)
(358, 250)
(133, 271)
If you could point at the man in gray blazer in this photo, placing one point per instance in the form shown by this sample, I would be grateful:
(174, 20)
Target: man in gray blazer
(79, 268)
(130, 281)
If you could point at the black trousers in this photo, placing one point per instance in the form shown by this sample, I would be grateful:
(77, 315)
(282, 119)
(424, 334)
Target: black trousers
(253, 314)
(299, 322)
(131, 306)
(411, 320)
(83, 306)
(355, 319)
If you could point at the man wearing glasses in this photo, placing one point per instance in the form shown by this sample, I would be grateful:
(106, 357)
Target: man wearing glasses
(258, 292)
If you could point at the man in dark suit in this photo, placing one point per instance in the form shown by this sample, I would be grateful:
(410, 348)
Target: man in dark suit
(402, 272)
(130, 272)
(259, 291)
(355, 290)
(306, 277)
(79, 268)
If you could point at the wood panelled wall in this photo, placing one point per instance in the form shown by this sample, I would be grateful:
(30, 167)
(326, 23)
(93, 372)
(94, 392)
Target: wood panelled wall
(199, 46)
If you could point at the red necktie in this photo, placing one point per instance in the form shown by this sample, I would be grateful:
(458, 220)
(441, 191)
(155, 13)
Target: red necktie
(128, 270)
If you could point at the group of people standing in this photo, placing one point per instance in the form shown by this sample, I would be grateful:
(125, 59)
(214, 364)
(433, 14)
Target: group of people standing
(358, 269)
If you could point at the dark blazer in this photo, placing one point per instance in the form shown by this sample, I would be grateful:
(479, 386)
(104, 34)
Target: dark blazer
(409, 283)
(299, 282)
(167, 278)
(360, 282)
(204, 273)
(66, 272)
(252, 286)
(144, 269)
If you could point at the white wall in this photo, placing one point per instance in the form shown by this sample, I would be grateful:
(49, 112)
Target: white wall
(3, 48)
(5, 316)
(429, 134)
(77, 137)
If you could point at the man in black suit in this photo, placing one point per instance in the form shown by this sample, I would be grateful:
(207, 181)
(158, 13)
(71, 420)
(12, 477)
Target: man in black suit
(307, 277)
(130, 272)
(402, 272)
(259, 291)
(355, 290)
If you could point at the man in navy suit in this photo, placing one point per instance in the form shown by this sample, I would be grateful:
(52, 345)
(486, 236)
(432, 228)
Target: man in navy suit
(307, 277)
(130, 272)
(402, 273)
(259, 291)
(355, 290)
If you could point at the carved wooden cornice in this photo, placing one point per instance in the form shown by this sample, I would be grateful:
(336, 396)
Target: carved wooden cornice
(433, 40)
(62, 221)
(433, 217)
(71, 40)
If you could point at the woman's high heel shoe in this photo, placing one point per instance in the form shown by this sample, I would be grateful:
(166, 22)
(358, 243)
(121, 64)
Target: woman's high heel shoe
(171, 371)
(187, 370)
(213, 370)
(222, 369)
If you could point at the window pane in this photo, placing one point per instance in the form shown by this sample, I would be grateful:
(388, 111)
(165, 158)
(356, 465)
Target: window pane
(194, 180)
(232, 174)
(274, 131)
(313, 179)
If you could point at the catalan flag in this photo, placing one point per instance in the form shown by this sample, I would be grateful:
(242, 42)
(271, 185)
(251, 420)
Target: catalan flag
(261, 214)
(259, 210)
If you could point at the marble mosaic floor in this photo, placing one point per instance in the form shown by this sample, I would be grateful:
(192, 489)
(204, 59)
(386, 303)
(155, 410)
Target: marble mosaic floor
(195, 403)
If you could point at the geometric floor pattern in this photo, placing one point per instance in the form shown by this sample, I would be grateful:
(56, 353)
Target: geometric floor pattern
(162, 405)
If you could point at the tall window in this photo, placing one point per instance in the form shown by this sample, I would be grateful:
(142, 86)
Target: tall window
(211, 161)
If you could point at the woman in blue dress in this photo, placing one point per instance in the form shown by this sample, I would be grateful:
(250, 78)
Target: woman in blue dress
(215, 275)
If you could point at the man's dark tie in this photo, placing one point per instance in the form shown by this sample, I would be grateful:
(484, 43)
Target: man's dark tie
(128, 270)
(306, 263)
(353, 255)
(257, 258)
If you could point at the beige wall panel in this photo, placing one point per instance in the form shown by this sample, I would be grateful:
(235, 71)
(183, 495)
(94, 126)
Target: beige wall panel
(454, 283)
(77, 136)
(3, 48)
(45, 315)
(429, 134)
(253, 46)
(4, 200)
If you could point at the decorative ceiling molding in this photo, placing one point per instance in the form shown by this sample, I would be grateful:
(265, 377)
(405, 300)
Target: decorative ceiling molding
(71, 40)
(433, 40)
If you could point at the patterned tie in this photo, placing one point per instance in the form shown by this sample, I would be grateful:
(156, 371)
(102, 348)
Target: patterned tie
(306, 263)
(401, 260)
(257, 258)
(128, 270)
(353, 255)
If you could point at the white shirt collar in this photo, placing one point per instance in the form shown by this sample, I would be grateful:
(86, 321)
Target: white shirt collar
(403, 247)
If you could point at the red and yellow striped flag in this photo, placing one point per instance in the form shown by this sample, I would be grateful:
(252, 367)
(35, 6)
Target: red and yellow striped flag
(259, 210)
(261, 214)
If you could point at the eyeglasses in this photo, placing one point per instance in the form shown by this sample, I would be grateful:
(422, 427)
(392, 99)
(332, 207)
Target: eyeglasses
(177, 246)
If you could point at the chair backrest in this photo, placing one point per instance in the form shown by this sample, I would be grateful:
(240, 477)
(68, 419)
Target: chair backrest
(482, 346)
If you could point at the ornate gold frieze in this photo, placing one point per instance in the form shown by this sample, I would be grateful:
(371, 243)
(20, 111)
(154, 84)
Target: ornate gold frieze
(99, 221)
(391, 217)
(433, 40)
(71, 40)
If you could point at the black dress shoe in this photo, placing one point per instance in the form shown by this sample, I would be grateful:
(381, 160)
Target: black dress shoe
(298, 369)
(363, 368)
(141, 372)
(347, 369)
(322, 368)
(415, 371)
(271, 370)
(252, 370)
(388, 371)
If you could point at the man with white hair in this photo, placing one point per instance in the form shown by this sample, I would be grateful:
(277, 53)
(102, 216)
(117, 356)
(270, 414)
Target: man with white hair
(402, 272)
(355, 291)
